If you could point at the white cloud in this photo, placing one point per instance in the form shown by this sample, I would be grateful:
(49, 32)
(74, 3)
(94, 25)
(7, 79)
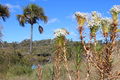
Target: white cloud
(12, 7)
(53, 21)
(71, 17)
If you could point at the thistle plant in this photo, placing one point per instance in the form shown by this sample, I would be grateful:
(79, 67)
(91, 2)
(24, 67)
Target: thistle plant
(105, 25)
(115, 10)
(39, 69)
(94, 26)
(109, 29)
(94, 23)
(61, 52)
(102, 59)
(81, 20)
(102, 56)
(115, 13)
(110, 47)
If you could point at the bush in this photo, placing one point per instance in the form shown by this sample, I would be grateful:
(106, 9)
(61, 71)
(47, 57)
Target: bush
(20, 70)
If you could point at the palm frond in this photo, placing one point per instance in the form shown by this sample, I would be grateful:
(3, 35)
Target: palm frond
(21, 19)
(44, 18)
(4, 12)
(40, 28)
(34, 13)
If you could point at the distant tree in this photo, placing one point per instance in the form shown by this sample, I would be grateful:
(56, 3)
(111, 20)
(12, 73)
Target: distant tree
(31, 15)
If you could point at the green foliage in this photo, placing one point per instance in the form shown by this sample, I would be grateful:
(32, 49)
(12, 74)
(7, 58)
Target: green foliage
(4, 12)
(20, 70)
(79, 51)
(14, 63)
(19, 63)
(99, 47)
(1, 59)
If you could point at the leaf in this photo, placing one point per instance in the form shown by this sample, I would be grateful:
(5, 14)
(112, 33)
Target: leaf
(40, 28)
(4, 12)
(33, 13)
(21, 19)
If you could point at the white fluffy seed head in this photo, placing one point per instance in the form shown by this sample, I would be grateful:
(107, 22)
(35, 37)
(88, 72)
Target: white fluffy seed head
(83, 15)
(60, 32)
(115, 9)
(93, 23)
(96, 14)
(94, 20)
(106, 20)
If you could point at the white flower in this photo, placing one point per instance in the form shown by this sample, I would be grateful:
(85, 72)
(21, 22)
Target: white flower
(115, 8)
(82, 15)
(92, 23)
(60, 32)
(81, 18)
(95, 15)
(106, 21)
(105, 25)
(94, 20)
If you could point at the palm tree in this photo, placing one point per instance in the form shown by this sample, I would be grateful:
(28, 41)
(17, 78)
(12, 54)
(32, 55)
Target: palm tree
(4, 12)
(31, 15)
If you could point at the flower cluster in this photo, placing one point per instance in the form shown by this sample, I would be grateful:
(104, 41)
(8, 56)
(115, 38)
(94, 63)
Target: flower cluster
(92, 23)
(82, 15)
(60, 32)
(115, 9)
(106, 21)
(95, 15)
(81, 18)
(95, 19)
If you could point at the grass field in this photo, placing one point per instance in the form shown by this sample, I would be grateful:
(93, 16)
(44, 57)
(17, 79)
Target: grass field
(47, 72)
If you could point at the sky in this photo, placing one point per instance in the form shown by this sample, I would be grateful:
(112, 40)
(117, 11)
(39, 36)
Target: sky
(60, 15)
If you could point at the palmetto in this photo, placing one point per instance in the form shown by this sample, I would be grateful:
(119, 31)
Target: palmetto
(31, 15)
(4, 12)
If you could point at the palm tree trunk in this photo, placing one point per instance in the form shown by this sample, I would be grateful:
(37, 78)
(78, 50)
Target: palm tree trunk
(31, 37)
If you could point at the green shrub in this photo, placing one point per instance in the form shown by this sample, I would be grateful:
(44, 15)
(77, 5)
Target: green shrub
(20, 70)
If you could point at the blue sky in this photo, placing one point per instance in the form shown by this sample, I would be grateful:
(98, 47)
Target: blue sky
(59, 12)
